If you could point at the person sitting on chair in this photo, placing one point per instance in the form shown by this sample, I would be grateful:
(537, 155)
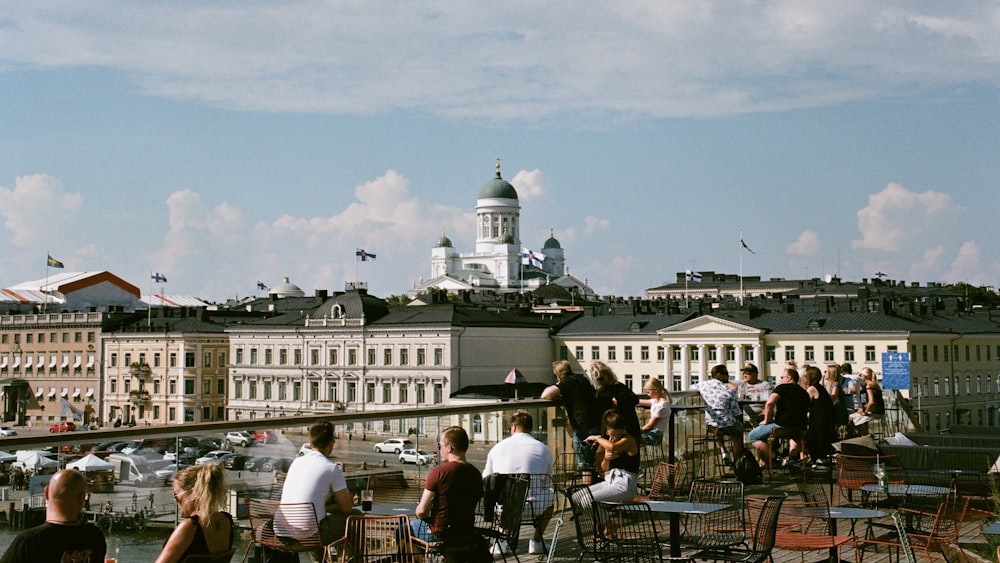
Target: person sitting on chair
(786, 407)
(447, 508)
(723, 415)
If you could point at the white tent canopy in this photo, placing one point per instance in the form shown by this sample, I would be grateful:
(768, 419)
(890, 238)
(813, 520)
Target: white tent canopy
(90, 462)
(7, 456)
(35, 461)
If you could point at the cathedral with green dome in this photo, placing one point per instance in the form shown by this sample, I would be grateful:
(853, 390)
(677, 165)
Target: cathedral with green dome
(500, 261)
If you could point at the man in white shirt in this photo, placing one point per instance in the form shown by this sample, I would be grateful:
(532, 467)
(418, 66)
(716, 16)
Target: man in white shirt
(314, 478)
(522, 453)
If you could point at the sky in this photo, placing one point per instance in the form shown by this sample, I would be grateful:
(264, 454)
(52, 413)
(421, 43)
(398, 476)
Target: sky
(230, 142)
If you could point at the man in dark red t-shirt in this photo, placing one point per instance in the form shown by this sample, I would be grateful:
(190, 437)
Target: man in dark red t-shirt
(451, 492)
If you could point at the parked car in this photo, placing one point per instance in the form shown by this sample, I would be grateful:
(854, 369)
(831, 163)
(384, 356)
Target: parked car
(393, 446)
(214, 456)
(265, 436)
(63, 426)
(256, 463)
(117, 446)
(241, 437)
(280, 464)
(7, 431)
(166, 474)
(419, 457)
(235, 462)
(213, 443)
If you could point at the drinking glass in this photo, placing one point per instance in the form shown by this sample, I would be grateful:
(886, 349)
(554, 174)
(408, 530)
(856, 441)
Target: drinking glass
(111, 555)
(367, 496)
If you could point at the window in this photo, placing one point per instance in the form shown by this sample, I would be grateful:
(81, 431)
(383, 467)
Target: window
(789, 353)
(352, 356)
(297, 357)
(644, 353)
(65, 337)
(421, 393)
(771, 352)
(370, 393)
(282, 391)
(828, 353)
(595, 352)
(334, 357)
(314, 356)
(114, 385)
(612, 354)
(421, 356)
(579, 353)
(220, 386)
(730, 353)
(979, 353)
(945, 350)
(253, 356)
(156, 412)
(29, 338)
(171, 413)
(113, 360)
(404, 356)
(675, 355)
(387, 356)
(331, 392)
(810, 354)
(438, 356)
(189, 359)
(297, 391)
(206, 387)
(628, 353)
(869, 354)
(660, 354)
(156, 359)
(156, 386)
(386, 393)
(222, 358)
(848, 353)
(283, 357)
(628, 380)
(172, 387)
(713, 353)
(923, 353)
(268, 356)
(77, 337)
(237, 389)
(934, 352)
(371, 356)
(189, 386)
(128, 359)
(206, 360)
(267, 391)
(695, 352)
(91, 337)
(404, 395)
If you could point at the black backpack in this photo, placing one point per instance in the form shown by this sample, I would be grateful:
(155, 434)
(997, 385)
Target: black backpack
(747, 470)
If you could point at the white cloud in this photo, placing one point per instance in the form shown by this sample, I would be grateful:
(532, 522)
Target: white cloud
(529, 184)
(38, 211)
(969, 266)
(315, 251)
(896, 218)
(637, 58)
(808, 244)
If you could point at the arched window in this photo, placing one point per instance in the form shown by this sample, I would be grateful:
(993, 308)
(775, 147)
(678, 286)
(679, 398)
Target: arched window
(477, 424)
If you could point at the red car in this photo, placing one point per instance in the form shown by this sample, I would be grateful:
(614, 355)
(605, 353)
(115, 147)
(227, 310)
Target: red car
(265, 436)
(64, 426)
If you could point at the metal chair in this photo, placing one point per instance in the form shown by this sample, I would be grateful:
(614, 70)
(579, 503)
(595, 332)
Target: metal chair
(853, 472)
(501, 521)
(722, 528)
(540, 504)
(627, 532)
(581, 503)
(805, 526)
(764, 531)
(904, 538)
(666, 482)
(378, 538)
(284, 527)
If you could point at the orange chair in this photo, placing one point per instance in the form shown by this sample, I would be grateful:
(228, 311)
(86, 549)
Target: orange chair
(805, 526)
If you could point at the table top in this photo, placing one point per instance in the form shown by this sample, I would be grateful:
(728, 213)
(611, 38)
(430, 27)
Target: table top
(391, 509)
(900, 489)
(834, 512)
(992, 530)
(684, 507)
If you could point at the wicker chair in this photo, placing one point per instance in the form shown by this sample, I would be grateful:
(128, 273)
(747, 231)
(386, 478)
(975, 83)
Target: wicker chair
(284, 527)
(378, 538)
(723, 528)
(501, 522)
(627, 532)
(581, 504)
(666, 482)
(805, 526)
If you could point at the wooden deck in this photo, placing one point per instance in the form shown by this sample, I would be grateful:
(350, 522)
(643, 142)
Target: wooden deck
(815, 487)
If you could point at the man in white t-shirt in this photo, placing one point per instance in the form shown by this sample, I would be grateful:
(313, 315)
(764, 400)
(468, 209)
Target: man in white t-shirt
(314, 478)
(751, 387)
(522, 453)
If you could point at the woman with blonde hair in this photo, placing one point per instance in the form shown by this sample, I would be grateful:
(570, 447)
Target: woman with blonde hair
(611, 394)
(200, 492)
(875, 403)
(834, 384)
(658, 404)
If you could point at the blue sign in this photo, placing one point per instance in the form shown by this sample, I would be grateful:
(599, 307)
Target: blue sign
(895, 370)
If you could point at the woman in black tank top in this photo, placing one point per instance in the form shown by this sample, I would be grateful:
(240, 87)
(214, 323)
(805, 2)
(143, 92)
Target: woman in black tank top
(618, 453)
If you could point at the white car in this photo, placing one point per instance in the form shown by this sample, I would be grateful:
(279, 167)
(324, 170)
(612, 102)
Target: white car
(214, 456)
(419, 457)
(241, 437)
(393, 446)
(7, 431)
(167, 473)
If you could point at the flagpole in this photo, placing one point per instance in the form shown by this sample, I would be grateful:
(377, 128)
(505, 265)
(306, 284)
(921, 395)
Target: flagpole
(740, 250)
(45, 308)
(149, 309)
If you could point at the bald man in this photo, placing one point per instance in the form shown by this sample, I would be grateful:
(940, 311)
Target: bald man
(62, 537)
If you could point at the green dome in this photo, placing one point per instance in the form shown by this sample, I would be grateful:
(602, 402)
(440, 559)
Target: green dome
(443, 242)
(552, 242)
(498, 188)
(507, 238)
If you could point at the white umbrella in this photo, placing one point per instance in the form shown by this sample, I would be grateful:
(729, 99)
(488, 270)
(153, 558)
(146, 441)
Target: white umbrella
(7, 456)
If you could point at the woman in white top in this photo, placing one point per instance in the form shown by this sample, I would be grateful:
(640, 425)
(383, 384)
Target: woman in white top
(658, 404)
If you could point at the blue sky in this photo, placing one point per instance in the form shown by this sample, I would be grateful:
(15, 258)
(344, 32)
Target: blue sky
(222, 143)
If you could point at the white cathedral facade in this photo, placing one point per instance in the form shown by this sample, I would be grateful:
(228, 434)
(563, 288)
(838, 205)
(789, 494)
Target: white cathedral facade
(500, 262)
